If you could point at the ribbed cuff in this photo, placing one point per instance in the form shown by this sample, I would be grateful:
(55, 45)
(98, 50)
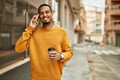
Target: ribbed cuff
(30, 28)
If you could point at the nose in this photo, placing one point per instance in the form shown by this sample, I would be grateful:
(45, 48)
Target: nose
(44, 14)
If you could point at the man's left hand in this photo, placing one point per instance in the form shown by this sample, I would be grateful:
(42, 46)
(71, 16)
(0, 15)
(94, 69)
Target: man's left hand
(54, 55)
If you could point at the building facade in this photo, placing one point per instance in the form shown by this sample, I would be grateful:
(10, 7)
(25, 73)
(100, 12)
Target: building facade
(94, 31)
(14, 17)
(80, 29)
(112, 23)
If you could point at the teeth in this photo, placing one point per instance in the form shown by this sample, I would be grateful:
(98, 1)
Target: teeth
(45, 19)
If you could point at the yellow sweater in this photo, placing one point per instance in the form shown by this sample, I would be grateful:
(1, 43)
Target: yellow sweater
(38, 41)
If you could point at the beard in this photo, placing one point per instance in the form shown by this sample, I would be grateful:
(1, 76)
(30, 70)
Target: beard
(47, 22)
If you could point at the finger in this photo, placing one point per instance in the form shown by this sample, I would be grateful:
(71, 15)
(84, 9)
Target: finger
(52, 56)
(33, 18)
(36, 17)
(35, 22)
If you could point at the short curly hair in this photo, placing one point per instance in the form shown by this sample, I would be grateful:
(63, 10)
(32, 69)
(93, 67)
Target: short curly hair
(44, 5)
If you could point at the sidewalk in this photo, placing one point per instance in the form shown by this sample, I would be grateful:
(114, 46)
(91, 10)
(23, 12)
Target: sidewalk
(114, 48)
(77, 68)
(13, 65)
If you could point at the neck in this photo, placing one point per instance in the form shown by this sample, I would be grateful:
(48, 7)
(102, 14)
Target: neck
(48, 25)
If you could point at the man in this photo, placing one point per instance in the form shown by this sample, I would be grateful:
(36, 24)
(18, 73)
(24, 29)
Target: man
(45, 65)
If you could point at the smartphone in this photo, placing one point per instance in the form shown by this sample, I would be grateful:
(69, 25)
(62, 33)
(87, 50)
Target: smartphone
(39, 21)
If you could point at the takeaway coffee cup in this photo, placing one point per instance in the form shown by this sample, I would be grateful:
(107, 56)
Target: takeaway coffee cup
(51, 49)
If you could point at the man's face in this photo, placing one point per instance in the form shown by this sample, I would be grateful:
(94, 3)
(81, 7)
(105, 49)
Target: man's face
(45, 14)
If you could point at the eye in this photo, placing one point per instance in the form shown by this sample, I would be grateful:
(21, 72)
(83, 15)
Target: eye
(47, 12)
(40, 13)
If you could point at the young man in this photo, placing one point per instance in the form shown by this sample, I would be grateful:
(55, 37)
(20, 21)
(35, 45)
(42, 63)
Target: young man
(45, 65)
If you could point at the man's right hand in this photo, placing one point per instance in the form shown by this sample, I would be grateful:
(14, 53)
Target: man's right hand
(34, 21)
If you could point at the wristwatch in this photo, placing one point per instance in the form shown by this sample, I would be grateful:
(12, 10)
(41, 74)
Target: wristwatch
(62, 56)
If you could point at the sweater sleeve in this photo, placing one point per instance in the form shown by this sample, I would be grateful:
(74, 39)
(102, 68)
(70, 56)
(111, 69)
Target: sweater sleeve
(66, 49)
(23, 42)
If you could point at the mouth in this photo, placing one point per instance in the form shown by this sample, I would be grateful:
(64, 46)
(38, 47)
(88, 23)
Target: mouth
(45, 19)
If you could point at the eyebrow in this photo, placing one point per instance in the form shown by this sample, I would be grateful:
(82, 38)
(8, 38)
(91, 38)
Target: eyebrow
(45, 11)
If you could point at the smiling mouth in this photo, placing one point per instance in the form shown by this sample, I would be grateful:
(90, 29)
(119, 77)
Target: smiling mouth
(45, 19)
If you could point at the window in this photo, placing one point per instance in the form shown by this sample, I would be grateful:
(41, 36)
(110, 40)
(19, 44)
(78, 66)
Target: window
(97, 25)
(8, 6)
(98, 31)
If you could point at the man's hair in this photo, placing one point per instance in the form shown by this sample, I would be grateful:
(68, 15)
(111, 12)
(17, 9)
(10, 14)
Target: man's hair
(44, 5)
